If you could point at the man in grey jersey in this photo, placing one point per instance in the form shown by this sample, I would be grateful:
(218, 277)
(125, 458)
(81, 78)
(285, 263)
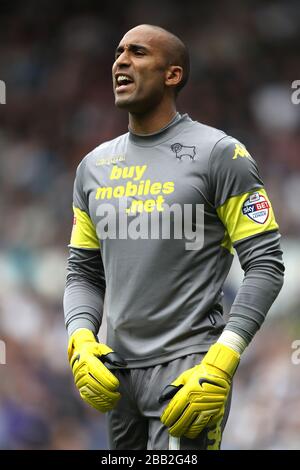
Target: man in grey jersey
(164, 376)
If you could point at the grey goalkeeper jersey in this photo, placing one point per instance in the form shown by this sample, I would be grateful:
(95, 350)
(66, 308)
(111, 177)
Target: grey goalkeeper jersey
(155, 221)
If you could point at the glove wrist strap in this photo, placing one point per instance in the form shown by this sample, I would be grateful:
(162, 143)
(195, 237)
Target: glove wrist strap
(83, 335)
(79, 337)
(222, 357)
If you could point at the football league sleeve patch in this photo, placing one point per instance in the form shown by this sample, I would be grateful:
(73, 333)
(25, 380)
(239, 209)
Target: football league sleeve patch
(247, 215)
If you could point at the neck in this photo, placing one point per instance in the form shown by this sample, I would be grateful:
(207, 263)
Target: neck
(151, 121)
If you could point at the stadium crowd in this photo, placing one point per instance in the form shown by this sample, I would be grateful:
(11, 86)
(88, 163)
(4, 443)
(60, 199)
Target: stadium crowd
(56, 64)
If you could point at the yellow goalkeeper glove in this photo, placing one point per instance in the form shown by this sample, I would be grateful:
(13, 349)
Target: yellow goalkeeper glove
(200, 393)
(96, 384)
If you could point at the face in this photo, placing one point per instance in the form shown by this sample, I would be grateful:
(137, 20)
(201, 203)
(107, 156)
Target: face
(139, 71)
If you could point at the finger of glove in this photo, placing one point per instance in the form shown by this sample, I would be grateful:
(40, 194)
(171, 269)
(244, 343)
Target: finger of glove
(102, 401)
(203, 398)
(208, 418)
(197, 413)
(85, 380)
(184, 422)
(94, 388)
(185, 404)
(101, 373)
(175, 408)
(183, 378)
(179, 428)
(208, 396)
(169, 392)
(217, 417)
(102, 406)
(93, 367)
(198, 425)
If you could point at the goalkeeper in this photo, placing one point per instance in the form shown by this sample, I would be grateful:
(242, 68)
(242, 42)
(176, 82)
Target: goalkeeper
(164, 376)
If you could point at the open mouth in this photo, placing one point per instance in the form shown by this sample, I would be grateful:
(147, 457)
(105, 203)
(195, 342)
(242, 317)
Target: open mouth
(123, 82)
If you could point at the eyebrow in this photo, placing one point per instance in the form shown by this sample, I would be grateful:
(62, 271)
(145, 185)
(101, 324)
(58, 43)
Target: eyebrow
(132, 48)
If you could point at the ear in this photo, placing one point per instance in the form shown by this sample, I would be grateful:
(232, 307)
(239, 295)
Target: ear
(173, 75)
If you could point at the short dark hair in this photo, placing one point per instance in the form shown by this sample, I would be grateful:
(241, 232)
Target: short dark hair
(177, 54)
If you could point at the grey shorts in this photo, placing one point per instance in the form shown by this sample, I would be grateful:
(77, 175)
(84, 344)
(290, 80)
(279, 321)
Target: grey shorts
(135, 422)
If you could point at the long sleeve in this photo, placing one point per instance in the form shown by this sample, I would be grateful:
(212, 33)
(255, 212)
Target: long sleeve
(85, 290)
(85, 284)
(261, 260)
(246, 212)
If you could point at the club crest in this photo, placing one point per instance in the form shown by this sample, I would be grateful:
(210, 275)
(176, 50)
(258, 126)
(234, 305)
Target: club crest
(184, 151)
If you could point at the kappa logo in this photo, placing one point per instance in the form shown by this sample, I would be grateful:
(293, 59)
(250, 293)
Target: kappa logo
(184, 151)
(240, 151)
(257, 208)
